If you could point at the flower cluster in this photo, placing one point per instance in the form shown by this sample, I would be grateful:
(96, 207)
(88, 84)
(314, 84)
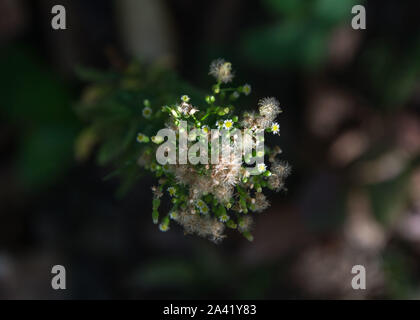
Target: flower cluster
(207, 198)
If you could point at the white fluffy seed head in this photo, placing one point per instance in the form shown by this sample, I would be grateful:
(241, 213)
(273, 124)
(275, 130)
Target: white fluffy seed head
(221, 70)
(269, 108)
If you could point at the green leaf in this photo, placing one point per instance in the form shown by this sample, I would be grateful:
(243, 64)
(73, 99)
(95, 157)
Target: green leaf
(93, 75)
(44, 155)
(289, 8)
(389, 197)
(331, 12)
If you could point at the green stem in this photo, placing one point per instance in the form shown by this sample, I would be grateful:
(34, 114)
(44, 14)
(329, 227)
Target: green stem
(209, 113)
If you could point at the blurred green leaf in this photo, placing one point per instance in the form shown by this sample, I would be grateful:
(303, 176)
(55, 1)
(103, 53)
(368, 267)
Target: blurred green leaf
(388, 197)
(398, 276)
(45, 154)
(276, 45)
(289, 8)
(288, 44)
(166, 273)
(38, 104)
(392, 74)
(300, 36)
(331, 12)
(93, 75)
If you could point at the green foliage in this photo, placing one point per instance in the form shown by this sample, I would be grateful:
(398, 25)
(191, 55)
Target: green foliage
(392, 74)
(398, 275)
(112, 108)
(299, 37)
(389, 198)
(37, 104)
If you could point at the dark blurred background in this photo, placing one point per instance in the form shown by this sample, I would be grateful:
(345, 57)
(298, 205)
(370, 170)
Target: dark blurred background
(350, 129)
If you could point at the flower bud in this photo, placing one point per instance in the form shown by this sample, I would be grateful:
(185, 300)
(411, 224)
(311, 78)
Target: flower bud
(157, 139)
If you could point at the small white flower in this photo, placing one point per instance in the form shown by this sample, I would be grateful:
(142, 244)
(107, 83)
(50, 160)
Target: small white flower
(205, 129)
(228, 124)
(163, 227)
(171, 191)
(236, 94)
(261, 167)
(219, 124)
(275, 128)
(204, 210)
(224, 218)
(142, 138)
(200, 203)
(246, 89)
(147, 112)
(185, 98)
(173, 215)
(202, 206)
